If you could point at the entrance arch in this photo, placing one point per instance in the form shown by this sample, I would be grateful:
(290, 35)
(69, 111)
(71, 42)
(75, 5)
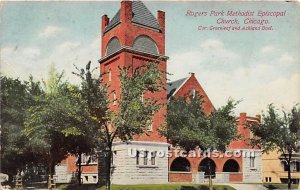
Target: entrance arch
(231, 166)
(207, 166)
(180, 165)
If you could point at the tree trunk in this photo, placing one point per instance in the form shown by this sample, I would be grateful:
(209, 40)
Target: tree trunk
(210, 176)
(108, 167)
(289, 176)
(50, 165)
(289, 171)
(79, 170)
(210, 183)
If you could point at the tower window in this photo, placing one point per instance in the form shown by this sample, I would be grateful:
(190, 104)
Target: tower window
(109, 75)
(113, 46)
(145, 44)
(115, 99)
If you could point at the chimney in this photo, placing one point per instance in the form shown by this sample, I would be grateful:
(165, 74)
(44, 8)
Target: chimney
(161, 20)
(105, 21)
(126, 11)
(243, 118)
(192, 74)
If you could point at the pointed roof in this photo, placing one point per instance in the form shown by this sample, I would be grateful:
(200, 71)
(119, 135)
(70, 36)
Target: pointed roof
(140, 15)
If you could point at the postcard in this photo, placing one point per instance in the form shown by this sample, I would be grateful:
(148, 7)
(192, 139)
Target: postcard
(242, 51)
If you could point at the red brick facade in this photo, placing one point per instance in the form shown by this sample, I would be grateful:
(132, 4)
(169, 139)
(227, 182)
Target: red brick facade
(185, 89)
(245, 133)
(72, 167)
(192, 83)
(180, 177)
(127, 32)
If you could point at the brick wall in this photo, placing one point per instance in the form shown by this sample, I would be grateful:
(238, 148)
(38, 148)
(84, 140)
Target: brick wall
(236, 177)
(127, 32)
(180, 176)
(192, 83)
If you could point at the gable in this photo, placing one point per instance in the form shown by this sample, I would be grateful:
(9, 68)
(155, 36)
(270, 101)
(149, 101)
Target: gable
(185, 86)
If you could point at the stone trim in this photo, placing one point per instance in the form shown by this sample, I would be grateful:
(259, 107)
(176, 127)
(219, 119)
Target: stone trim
(144, 26)
(147, 166)
(132, 50)
(145, 143)
(179, 172)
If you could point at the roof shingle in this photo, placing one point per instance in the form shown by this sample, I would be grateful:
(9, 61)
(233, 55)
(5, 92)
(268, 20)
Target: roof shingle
(141, 15)
(173, 86)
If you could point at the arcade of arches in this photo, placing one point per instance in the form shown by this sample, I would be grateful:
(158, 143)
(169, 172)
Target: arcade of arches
(181, 169)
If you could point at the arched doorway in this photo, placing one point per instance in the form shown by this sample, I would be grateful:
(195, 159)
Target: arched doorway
(207, 166)
(180, 165)
(231, 166)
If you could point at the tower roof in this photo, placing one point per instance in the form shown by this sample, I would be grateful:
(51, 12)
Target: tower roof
(140, 15)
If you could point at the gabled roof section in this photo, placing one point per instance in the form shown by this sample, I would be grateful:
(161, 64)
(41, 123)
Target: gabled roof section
(173, 86)
(184, 87)
(141, 15)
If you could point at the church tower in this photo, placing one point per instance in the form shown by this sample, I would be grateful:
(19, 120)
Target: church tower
(133, 37)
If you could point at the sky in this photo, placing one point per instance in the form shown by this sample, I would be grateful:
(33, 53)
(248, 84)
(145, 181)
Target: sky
(257, 67)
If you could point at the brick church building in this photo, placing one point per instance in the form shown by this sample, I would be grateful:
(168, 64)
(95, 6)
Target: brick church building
(134, 36)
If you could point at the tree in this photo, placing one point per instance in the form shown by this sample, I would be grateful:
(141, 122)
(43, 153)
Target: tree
(16, 96)
(189, 127)
(58, 123)
(281, 133)
(113, 125)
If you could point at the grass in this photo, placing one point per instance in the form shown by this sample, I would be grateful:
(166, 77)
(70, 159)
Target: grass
(168, 187)
(279, 185)
(149, 187)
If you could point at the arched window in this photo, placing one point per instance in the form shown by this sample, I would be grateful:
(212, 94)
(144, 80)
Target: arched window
(181, 165)
(112, 46)
(145, 44)
(231, 166)
(207, 166)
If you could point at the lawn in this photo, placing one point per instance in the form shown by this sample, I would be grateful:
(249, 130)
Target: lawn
(168, 187)
(279, 186)
(151, 187)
